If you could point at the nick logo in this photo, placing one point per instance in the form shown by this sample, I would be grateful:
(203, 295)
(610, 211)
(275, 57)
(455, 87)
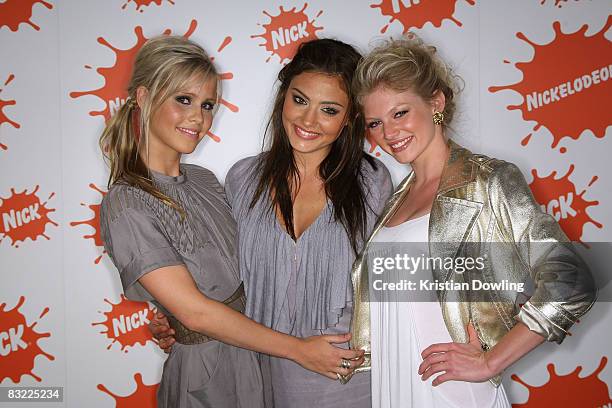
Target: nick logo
(568, 390)
(3, 103)
(116, 78)
(93, 222)
(286, 31)
(143, 396)
(19, 343)
(566, 98)
(144, 3)
(126, 323)
(15, 12)
(416, 13)
(24, 216)
(558, 197)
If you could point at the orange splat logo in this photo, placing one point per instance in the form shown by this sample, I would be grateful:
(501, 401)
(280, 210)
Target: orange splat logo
(24, 216)
(416, 13)
(15, 12)
(117, 77)
(93, 222)
(286, 31)
(566, 98)
(3, 103)
(126, 323)
(558, 197)
(19, 344)
(144, 3)
(568, 390)
(144, 396)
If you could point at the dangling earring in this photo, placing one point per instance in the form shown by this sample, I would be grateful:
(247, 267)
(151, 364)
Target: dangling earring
(438, 118)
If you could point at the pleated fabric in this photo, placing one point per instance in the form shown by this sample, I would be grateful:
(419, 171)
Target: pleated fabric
(301, 287)
(142, 234)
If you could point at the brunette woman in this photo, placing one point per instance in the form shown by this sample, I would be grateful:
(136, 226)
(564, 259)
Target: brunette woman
(303, 208)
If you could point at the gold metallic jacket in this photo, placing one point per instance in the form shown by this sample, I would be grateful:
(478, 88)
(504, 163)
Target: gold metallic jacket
(483, 200)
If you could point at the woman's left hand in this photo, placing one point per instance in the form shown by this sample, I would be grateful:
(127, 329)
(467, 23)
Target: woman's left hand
(458, 361)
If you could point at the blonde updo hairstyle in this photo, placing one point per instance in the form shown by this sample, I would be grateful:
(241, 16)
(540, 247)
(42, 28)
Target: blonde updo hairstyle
(163, 66)
(407, 64)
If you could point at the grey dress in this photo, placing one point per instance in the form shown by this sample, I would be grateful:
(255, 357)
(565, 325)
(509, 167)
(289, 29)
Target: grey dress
(301, 288)
(142, 234)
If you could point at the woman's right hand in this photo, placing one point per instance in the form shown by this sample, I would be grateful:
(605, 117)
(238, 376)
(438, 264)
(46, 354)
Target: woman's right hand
(317, 354)
(160, 328)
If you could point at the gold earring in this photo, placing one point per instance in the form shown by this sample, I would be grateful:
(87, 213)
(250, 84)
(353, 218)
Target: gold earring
(438, 118)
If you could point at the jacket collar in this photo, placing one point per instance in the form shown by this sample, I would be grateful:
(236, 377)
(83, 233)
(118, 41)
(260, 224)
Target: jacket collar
(457, 172)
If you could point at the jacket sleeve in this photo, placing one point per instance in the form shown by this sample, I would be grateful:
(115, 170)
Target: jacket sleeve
(564, 288)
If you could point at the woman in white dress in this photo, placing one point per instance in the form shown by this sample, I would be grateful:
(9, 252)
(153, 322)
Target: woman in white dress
(451, 352)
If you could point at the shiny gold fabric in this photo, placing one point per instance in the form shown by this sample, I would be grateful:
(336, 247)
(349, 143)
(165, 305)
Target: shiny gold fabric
(483, 200)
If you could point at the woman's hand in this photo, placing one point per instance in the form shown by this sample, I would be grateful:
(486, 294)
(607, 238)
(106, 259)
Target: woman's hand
(458, 361)
(160, 328)
(317, 354)
(314, 353)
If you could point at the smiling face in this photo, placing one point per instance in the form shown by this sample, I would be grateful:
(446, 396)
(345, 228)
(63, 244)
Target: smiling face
(314, 112)
(183, 119)
(401, 122)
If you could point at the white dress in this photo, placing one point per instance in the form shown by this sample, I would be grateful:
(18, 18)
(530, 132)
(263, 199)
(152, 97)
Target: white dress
(401, 330)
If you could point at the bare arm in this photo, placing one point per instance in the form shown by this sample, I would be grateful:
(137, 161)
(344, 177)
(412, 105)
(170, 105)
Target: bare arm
(175, 289)
(468, 362)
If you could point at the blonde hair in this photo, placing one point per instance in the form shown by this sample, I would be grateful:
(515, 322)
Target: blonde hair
(163, 65)
(407, 64)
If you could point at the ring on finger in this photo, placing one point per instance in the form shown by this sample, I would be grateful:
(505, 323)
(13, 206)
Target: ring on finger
(345, 363)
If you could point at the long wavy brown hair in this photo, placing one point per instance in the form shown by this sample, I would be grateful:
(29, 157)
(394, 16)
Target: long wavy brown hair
(341, 170)
(162, 66)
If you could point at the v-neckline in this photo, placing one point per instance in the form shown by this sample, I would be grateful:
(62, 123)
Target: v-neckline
(316, 220)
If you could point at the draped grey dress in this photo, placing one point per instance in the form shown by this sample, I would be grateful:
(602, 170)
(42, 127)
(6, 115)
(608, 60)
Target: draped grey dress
(300, 287)
(142, 234)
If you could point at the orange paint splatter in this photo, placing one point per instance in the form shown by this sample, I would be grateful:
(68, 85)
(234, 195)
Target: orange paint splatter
(558, 3)
(144, 3)
(3, 117)
(126, 323)
(415, 14)
(15, 12)
(143, 396)
(19, 344)
(213, 136)
(566, 98)
(226, 41)
(568, 390)
(22, 216)
(116, 78)
(286, 31)
(372, 142)
(558, 197)
(526, 140)
(93, 222)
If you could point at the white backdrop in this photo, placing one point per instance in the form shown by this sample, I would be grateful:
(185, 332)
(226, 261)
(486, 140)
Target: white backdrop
(61, 61)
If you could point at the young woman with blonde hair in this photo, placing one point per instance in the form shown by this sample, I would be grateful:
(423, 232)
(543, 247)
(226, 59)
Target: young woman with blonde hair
(450, 352)
(169, 231)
